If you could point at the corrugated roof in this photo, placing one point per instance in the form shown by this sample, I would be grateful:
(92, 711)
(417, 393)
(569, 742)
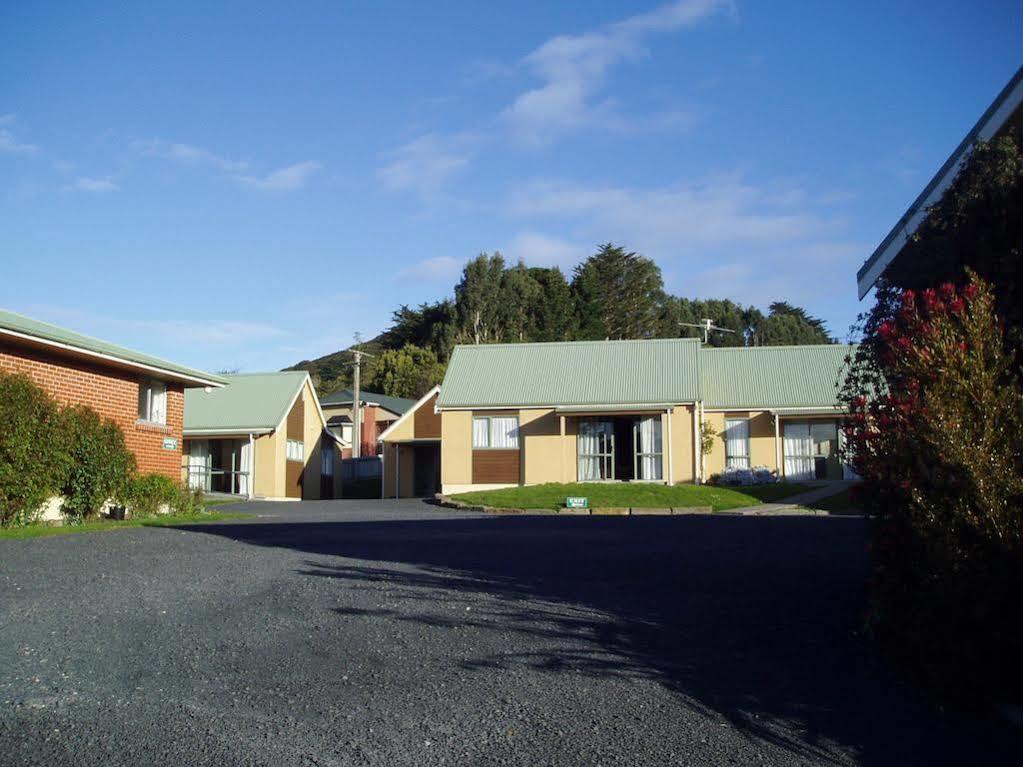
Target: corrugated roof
(52, 334)
(256, 401)
(772, 376)
(398, 405)
(573, 373)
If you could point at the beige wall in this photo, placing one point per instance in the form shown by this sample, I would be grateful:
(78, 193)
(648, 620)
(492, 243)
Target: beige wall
(269, 480)
(455, 448)
(313, 438)
(546, 455)
(761, 439)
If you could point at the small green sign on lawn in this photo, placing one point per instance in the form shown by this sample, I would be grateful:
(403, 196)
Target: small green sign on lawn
(170, 443)
(576, 502)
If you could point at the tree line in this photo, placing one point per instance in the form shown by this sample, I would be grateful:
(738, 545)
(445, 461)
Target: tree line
(613, 294)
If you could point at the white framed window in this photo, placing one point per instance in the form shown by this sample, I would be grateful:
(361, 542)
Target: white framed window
(737, 443)
(649, 447)
(495, 432)
(295, 450)
(153, 401)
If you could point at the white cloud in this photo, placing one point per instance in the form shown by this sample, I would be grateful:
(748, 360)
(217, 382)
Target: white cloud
(572, 69)
(538, 249)
(6, 119)
(93, 185)
(438, 268)
(424, 164)
(720, 210)
(10, 144)
(188, 154)
(285, 179)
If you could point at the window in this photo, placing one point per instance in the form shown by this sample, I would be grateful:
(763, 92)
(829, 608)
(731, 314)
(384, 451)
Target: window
(153, 401)
(649, 446)
(596, 445)
(495, 433)
(327, 461)
(295, 450)
(737, 443)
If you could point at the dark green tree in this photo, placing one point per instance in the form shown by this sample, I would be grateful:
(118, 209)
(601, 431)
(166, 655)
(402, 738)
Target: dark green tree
(478, 299)
(618, 294)
(786, 325)
(407, 372)
(554, 312)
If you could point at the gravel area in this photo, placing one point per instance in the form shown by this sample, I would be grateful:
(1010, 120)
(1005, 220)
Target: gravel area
(396, 633)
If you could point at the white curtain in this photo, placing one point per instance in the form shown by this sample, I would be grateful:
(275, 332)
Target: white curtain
(198, 464)
(481, 432)
(504, 433)
(648, 447)
(589, 448)
(737, 444)
(158, 407)
(245, 466)
(798, 451)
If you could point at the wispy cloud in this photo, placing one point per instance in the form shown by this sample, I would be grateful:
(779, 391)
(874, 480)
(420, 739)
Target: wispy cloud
(573, 68)
(722, 209)
(188, 154)
(537, 249)
(433, 269)
(426, 163)
(11, 145)
(92, 185)
(285, 179)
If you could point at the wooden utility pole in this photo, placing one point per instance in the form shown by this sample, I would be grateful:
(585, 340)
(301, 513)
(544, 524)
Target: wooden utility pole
(356, 407)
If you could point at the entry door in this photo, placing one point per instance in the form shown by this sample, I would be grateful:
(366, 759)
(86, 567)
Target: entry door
(199, 464)
(596, 450)
(425, 470)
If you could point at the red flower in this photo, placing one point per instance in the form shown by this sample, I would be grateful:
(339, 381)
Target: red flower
(886, 329)
(957, 305)
(964, 347)
(970, 291)
(908, 297)
(947, 290)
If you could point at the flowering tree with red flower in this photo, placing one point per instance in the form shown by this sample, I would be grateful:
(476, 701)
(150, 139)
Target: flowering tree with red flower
(935, 429)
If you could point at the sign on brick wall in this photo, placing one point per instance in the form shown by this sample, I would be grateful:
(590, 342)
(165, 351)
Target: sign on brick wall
(170, 443)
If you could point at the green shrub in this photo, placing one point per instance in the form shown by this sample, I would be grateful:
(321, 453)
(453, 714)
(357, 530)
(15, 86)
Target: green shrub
(144, 494)
(99, 466)
(31, 461)
(186, 502)
(936, 410)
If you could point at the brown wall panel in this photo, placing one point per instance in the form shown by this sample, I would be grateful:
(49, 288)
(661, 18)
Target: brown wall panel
(426, 423)
(296, 421)
(293, 479)
(493, 467)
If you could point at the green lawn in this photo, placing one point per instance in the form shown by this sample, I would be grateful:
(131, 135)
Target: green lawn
(632, 495)
(39, 530)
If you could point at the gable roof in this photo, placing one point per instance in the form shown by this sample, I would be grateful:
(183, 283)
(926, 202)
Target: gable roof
(397, 405)
(996, 115)
(772, 376)
(408, 413)
(251, 402)
(659, 371)
(43, 334)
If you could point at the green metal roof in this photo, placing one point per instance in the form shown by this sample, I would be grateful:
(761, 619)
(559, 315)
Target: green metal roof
(250, 401)
(12, 323)
(772, 376)
(661, 371)
(398, 405)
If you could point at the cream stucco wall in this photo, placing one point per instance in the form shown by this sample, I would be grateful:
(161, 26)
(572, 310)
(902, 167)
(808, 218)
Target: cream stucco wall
(761, 439)
(312, 435)
(455, 448)
(547, 455)
(267, 483)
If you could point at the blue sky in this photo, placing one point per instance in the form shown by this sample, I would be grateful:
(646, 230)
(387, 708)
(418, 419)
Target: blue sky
(248, 187)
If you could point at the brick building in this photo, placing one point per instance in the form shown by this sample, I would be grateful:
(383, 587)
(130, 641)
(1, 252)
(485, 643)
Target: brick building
(143, 395)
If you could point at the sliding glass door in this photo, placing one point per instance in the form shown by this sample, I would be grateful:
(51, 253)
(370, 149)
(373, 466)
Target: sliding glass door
(623, 448)
(648, 463)
(596, 450)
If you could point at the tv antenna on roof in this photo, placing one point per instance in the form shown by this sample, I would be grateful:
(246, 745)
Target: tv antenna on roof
(707, 326)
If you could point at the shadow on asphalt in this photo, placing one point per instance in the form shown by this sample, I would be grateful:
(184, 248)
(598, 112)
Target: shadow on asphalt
(754, 619)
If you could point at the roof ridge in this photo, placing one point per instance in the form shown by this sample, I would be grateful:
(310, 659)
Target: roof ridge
(588, 341)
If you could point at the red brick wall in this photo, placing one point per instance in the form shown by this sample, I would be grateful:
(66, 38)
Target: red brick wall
(369, 431)
(112, 393)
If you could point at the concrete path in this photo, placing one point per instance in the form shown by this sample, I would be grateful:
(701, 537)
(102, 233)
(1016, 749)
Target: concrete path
(800, 500)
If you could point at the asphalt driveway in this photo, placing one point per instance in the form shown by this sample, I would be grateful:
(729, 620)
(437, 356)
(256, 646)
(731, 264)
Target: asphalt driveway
(384, 633)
